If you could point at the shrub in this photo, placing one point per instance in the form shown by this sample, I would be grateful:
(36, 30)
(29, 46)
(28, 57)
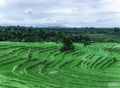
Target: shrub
(67, 44)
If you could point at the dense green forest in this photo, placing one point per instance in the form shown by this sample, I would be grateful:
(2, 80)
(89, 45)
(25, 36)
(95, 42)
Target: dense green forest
(55, 34)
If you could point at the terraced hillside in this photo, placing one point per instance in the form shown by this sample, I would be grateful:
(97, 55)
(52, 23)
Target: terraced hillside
(42, 65)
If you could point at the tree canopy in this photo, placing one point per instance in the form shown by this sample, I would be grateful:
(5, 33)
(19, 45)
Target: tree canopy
(35, 34)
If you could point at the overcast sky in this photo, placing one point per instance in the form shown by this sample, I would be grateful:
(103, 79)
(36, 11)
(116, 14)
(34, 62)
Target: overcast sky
(70, 13)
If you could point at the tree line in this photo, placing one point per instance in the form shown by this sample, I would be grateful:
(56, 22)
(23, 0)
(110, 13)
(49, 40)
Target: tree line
(37, 34)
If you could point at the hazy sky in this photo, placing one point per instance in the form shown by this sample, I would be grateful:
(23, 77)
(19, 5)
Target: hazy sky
(71, 13)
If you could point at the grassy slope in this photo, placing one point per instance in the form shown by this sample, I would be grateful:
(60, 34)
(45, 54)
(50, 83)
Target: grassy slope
(103, 37)
(86, 67)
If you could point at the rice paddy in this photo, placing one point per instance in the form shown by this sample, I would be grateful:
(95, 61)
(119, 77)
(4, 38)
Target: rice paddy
(42, 65)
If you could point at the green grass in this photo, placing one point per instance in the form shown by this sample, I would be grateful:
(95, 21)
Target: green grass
(103, 37)
(86, 67)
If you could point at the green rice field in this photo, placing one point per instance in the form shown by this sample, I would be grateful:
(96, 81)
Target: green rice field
(42, 65)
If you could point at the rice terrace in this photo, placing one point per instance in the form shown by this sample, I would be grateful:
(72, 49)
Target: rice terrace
(59, 43)
(91, 67)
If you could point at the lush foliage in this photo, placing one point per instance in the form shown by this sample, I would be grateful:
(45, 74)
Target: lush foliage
(31, 34)
(67, 44)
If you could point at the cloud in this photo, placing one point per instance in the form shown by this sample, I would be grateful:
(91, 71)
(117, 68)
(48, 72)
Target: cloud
(28, 11)
(72, 13)
(61, 11)
(2, 3)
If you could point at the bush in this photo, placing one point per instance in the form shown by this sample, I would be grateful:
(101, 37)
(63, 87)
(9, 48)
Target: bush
(86, 43)
(114, 59)
(67, 44)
